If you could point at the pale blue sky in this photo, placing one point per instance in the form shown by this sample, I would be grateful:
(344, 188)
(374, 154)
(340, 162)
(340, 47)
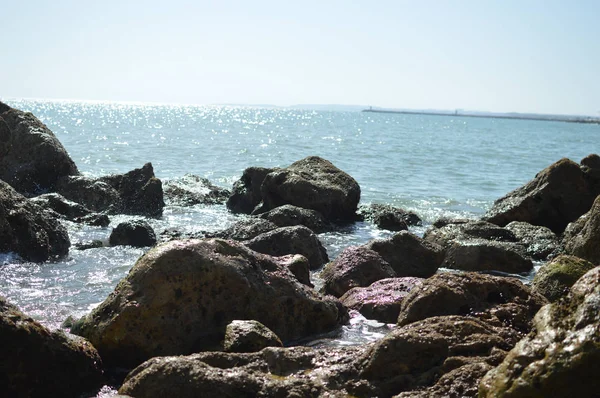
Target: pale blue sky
(525, 56)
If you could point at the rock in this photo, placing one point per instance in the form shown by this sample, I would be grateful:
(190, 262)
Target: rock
(389, 217)
(289, 216)
(93, 244)
(179, 297)
(136, 192)
(450, 232)
(497, 300)
(32, 159)
(484, 255)
(35, 362)
(137, 233)
(443, 221)
(245, 195)
(291, 240)
(312, 183)
(356, 266)
(272, 372)
(560, 357)
(298, 266)
(556, 196)
(29, 231)
(70, 210)
(409, 255)
(554, 279)
(245, 229)
(415, 356)
(583, 240)
(249, 336)
(540, 242)
(381, 300)
(193, 190)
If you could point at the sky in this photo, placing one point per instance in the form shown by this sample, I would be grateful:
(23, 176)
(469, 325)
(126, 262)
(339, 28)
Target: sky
(503, 56)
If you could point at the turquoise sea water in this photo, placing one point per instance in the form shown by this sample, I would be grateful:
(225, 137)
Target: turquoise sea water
(433, 165)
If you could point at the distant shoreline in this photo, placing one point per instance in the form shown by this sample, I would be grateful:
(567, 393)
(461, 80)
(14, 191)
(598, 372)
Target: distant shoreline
(548, 118)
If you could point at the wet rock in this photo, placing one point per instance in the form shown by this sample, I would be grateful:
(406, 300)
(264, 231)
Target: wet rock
(423, 355)
(298, 266)
(246, 195)
(136, 192)
(497, 300)
(192, 190)
(583, 239)
(467, 230)
(356, 266)
(484, 255)
(70, 210)
(560, 357)
(28, 230)
(554, 279)
(381, 300)
(389, 217)
(289, 216)
(557, 195)
(540, 242)
(443, 221)
(93, 244)
(291, 240)
(312, 183)
(35, 362)
(249, 336)
(137, 233)
(32, 159)
(179, 297)
(245, 229)
(409, 255)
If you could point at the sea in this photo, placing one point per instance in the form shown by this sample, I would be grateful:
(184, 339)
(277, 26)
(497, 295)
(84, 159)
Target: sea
(436, 166)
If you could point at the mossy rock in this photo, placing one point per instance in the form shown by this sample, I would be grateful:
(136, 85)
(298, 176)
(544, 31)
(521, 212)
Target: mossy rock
(555, 279)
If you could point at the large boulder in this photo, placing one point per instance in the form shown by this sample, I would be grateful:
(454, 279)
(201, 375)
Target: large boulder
(485, 255)
(312, 183)
(583, 238)
(290, 215)
(451, 231)
(136, 233)
(409, 255)
(69, 210)
(560, 357)
(389, 217)
(554, 279)
(540, 242)
(381, 300)
(556, 196)
(179, 297)
(497, 300)
(249, 336)
(246, 195)
(291, 240)
(245, 229)
(35, 362)
(355, 266)
(32, 159)
(28, 230)
(137, 192)
(192, 190)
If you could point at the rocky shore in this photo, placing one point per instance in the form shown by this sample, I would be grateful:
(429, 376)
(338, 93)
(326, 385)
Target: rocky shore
(224, 314)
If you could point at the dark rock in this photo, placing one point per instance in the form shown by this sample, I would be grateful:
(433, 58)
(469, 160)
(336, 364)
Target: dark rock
(356, 266)
(497, 300)
(136, 192)
(249, 336)
(70, 210)
(381, 300)
(32, 159)
(560, 357)
(540, 242)
(245, 229)
(245, 195)
(35, 362)
(409, 255)
(28, 230)
(554, 279)
(452, 231)
(443, 221)
(289, 216)
(591, 161)
(312, 183)
(389, 217)
(583, 239)
(137, 233)
(298, 266)
(93, 244)
(179, 297)
(193, 190)
(291, 240)
(484, 255)
(556, 196)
